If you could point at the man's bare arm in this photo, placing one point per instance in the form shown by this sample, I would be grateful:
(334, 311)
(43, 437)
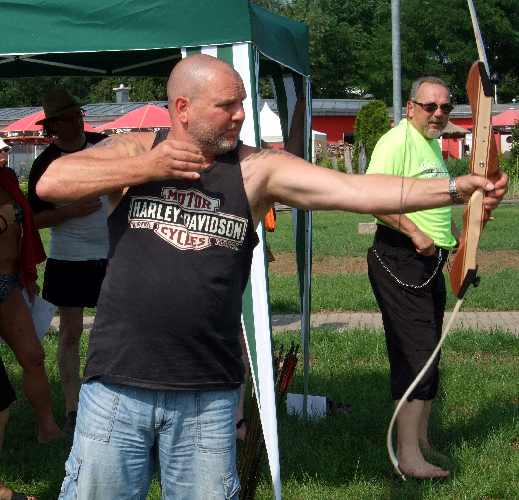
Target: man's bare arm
(56, 216)
(423, 244)
(116, 163)
(279, 176)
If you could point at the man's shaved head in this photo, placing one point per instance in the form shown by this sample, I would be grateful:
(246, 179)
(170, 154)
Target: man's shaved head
(205, 97)
(191, 74)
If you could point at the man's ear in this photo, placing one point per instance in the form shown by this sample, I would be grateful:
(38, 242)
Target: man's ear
(181, 108)
(409, 109)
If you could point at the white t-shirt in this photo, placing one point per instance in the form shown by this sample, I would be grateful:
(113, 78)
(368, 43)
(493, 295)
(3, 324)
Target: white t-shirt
(81, 238)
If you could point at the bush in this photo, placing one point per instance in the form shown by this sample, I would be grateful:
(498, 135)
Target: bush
(326, 162)
(458, 166)
(371, 124)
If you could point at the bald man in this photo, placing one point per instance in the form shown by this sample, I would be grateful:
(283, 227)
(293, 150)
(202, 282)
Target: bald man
(163, 371)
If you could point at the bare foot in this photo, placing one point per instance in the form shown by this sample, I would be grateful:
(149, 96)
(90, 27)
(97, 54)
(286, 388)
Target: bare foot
(422, 470)
(433, 455)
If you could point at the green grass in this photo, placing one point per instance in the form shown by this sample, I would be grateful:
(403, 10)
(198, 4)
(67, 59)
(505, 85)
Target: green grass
(475, 422)
(352, 292)
(335, 234)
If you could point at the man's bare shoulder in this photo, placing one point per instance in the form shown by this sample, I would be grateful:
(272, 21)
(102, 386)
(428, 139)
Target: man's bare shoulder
(133, 144)
(251, 154)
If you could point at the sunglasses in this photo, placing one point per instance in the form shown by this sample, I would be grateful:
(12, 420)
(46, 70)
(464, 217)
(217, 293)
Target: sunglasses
(431, 107)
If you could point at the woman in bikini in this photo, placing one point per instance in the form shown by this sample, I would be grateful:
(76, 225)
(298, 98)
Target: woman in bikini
(20, 251)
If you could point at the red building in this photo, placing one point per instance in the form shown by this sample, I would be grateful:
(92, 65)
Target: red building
(336, 118)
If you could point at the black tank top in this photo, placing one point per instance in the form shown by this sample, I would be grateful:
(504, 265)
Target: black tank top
(168, 316)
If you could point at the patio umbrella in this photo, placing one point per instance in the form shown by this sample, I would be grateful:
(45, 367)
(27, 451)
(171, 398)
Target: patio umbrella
(148, 116)
(506, 118)
(28, 124)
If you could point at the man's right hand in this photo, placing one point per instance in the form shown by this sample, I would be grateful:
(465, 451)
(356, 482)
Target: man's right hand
(83, 208)
(423, 244)
(173, 159)
(494, 190)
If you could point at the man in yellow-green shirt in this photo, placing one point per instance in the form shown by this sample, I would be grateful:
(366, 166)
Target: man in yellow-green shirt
(405, 268)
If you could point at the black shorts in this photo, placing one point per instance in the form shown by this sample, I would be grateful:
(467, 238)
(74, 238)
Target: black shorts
(70, 283)
(7, 394)
(412, 316)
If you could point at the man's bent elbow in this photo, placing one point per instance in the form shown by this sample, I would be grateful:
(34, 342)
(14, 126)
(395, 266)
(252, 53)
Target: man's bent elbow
(47, 189)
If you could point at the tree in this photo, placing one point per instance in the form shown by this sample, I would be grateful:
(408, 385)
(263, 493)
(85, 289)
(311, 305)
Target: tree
(350, 50)
(372, 123)
(350, 44)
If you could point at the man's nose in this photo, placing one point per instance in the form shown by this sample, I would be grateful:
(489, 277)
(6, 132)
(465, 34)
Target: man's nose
(439, 112)
(239, 114)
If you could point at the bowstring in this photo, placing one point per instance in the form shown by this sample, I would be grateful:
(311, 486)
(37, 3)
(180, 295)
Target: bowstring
(401, 210)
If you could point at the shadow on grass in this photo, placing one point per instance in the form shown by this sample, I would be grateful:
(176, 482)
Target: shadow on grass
(347, 449)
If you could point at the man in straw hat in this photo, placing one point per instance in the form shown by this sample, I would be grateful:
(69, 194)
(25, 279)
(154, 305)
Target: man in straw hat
(79, 240)
(164, 364)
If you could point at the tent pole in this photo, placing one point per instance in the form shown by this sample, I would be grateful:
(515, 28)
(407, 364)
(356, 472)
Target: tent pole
(305, 323)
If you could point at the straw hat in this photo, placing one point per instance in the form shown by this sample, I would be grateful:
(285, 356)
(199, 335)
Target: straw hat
(57, 102)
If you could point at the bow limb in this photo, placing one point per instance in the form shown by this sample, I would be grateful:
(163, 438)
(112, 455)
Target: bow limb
(484, 162)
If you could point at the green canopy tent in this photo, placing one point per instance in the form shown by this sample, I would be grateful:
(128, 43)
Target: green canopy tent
(110, 37)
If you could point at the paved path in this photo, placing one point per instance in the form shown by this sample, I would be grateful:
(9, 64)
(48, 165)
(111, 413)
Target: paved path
(485, 321)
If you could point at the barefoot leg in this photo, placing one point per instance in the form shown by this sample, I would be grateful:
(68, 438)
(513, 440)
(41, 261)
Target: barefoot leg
(410, 458)
(423, 435)
(70, 329)
(17, 329)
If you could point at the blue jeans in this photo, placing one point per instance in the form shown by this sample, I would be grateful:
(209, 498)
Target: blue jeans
(122, 431)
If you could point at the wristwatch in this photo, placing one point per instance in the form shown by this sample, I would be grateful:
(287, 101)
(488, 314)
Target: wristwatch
(453, 192)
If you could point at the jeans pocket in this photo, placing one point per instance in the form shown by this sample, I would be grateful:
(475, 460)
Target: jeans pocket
(69, 488)
(231, 486)
(98, 405)
(216, 427)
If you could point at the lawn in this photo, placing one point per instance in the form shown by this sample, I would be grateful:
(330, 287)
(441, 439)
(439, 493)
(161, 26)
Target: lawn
(340, 282)
(476, 423)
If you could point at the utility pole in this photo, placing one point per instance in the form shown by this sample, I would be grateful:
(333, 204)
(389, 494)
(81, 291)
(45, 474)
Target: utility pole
(397, 66)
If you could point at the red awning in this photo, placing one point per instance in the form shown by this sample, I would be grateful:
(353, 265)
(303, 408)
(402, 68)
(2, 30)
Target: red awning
(148, 116)
(28, 124)
(506, 118)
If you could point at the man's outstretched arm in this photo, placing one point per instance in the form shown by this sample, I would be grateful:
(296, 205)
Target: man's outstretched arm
(116, 163)
(272, 175)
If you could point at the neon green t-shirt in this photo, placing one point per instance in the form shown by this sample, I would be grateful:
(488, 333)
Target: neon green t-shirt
(403, 151)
